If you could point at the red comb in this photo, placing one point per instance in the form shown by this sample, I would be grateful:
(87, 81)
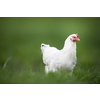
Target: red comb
(77, 35)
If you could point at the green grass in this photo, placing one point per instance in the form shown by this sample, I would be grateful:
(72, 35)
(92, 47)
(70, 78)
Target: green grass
(21, 57)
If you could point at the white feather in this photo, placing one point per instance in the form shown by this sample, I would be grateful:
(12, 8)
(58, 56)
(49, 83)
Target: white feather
(60, 59)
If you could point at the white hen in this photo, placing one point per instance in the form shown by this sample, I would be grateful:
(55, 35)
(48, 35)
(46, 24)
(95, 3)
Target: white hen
(61, 59)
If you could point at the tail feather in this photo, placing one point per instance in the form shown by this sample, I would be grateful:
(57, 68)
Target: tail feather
(43, 46)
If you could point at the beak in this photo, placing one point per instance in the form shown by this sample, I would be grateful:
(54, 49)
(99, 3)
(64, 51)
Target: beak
(78, 39)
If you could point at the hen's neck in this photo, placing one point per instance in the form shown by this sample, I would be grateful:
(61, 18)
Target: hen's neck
(69, 45)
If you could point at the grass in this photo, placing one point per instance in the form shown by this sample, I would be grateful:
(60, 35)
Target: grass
(21, 57)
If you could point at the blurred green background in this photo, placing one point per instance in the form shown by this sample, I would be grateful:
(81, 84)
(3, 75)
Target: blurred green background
(21, 57)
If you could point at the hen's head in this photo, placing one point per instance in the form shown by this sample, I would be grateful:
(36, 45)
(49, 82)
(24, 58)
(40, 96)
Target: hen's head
(74, 37)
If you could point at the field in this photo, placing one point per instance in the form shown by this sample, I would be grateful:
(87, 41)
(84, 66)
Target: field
(21, 57)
